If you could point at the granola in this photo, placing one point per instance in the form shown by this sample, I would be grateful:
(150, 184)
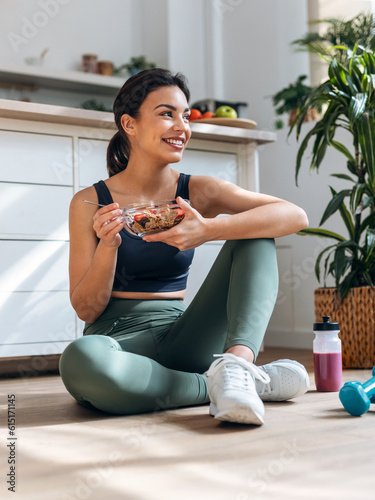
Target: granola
(152, 220)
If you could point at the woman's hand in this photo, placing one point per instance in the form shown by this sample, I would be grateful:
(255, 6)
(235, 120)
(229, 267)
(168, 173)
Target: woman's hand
(190, 233)
(108, 222)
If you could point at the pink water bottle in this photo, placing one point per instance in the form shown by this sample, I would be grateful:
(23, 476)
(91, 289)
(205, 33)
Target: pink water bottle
(327, 356)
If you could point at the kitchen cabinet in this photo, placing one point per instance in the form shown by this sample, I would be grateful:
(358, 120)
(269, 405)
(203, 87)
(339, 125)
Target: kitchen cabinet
(47, 153)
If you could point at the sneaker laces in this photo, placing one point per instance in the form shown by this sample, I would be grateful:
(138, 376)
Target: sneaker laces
(265, 389)
(237, 371)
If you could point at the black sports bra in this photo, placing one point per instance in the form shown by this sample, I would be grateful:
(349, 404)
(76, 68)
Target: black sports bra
(149, 267)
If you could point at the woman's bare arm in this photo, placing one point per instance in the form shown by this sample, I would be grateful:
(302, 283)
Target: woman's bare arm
(251, 215)
(92, 264)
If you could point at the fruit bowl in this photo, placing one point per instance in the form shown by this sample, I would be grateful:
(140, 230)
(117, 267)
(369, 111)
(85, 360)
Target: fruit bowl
(152, 217)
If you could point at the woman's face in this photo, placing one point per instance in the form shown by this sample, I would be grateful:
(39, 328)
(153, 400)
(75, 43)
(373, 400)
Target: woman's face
(162, 129)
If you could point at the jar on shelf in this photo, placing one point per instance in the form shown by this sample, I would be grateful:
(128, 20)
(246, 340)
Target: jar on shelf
(90, 63)
(105, 68)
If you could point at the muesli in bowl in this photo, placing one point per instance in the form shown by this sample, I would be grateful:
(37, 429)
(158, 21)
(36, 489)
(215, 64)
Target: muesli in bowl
(153, 217)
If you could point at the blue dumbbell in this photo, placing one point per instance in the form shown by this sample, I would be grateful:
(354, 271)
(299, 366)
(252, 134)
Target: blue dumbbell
(356, 397)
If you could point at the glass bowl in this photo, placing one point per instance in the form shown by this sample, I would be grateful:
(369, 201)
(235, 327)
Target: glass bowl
(153, 217)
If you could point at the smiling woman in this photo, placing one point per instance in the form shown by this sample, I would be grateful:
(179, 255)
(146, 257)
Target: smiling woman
(141, 349)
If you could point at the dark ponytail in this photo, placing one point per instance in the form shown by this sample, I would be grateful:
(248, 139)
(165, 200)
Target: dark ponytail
(128, 101)
(117, 154)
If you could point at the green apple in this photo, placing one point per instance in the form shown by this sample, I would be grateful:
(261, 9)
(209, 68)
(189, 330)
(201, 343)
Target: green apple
(226, 112)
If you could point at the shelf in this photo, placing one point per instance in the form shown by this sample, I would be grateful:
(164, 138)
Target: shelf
(38, 76)
(55, 114)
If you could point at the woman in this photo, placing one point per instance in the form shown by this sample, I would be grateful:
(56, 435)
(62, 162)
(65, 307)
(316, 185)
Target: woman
(141, 350)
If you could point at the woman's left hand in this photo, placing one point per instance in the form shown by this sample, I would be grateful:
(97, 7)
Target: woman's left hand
(190, 233)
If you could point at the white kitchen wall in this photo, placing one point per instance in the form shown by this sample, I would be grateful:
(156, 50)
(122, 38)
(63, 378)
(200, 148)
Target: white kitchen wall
(186, 51)
(68, 28)
(258, 61)
(172, 33)
(115, 30)
(257, 57)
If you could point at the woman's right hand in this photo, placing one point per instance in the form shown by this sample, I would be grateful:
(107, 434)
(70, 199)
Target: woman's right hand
(108, 222)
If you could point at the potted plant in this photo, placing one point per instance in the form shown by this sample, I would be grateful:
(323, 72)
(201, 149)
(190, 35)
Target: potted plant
(348, 98)
(135, 65)
(290, 98)
(339, 33)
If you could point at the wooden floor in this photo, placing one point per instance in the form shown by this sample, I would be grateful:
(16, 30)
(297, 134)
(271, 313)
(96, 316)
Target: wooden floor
(309, 448)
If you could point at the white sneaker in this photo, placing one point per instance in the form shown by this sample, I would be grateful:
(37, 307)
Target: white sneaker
(231, 387)
(288, 379)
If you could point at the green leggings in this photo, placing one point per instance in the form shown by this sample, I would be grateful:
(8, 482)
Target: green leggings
(147, 355)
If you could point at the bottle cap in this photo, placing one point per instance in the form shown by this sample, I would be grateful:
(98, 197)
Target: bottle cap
(326, 325)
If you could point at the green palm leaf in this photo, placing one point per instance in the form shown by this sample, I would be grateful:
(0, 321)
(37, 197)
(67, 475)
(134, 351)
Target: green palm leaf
(368, 279)
(324, 233)
(334, 204)
(346, 217)
(340, 263)
(337, 76)
(357, 107)
(343, 176)
(368, 222)
(343, 149)
(302, 150)
(367, 143)
(319, 150)
(347, 284)
(370, 242)
(319, 258)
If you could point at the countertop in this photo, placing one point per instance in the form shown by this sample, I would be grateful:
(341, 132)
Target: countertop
(99, 119)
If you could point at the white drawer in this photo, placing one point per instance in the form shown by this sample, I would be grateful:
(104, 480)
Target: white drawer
(36, 158)
(28, 317)
(40, 211)
(221, 165)
(92, 160)
(33, 266)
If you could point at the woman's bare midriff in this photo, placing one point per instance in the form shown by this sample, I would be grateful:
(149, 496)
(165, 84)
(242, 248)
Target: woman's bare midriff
(180, 294)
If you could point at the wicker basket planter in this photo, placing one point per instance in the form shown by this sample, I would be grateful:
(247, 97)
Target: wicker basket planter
(356, 317)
